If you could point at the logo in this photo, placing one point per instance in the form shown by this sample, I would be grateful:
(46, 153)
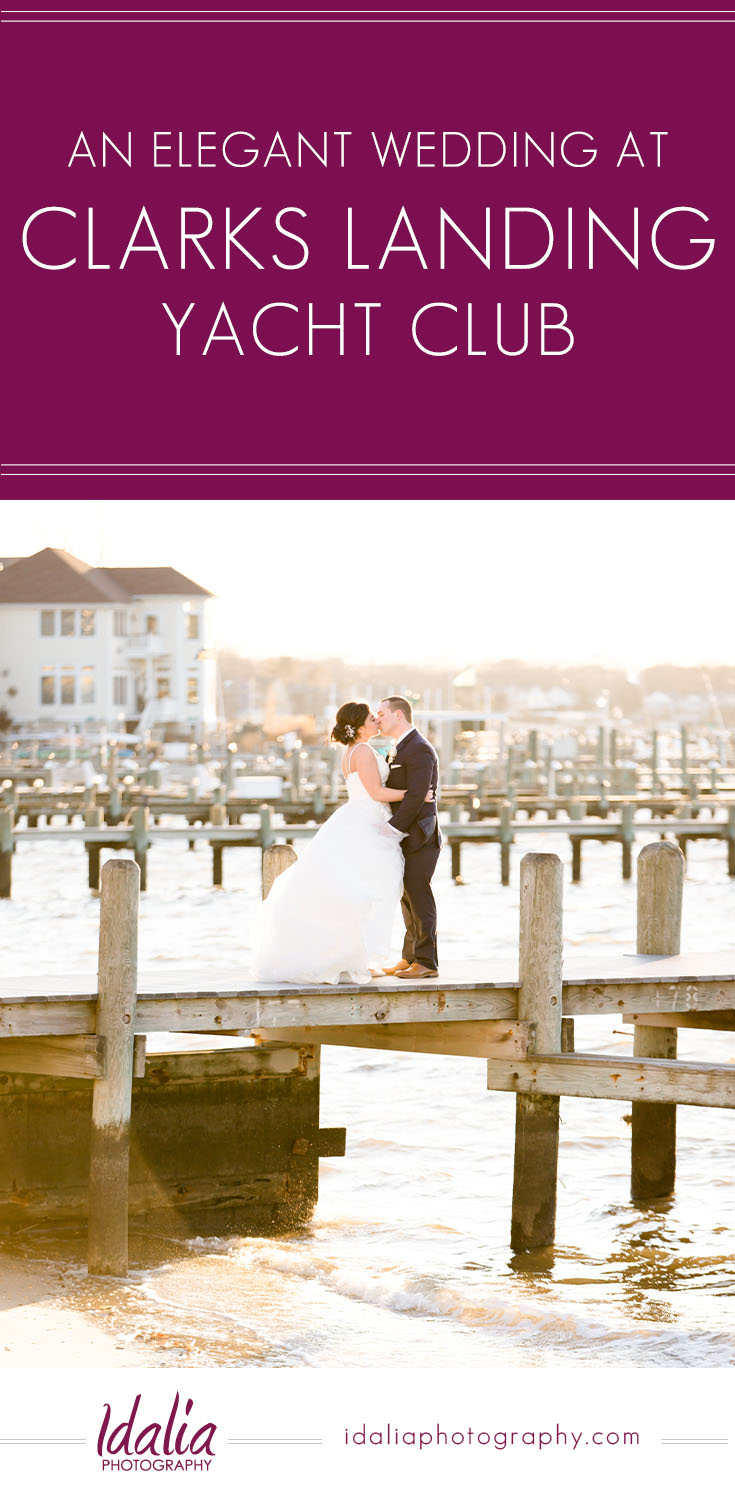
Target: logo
(140, 1444)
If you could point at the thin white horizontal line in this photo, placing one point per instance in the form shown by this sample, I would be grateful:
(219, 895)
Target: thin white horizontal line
(373, 10)
(515, 473)
(369, 21)
(210, 464)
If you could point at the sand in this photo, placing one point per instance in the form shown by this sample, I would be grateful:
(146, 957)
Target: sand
(39, 1326)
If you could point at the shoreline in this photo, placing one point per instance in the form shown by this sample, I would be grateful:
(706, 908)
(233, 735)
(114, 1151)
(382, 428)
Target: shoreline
(40, 1327)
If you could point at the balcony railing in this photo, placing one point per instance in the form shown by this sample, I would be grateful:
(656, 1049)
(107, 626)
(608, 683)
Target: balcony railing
(145, 644)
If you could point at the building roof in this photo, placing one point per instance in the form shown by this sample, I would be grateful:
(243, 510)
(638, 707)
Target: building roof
(154, 581)
(53, 576)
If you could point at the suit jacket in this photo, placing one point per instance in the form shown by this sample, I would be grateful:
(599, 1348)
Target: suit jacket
(415, 769)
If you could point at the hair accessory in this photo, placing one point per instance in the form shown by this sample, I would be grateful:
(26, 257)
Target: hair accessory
(350, 731)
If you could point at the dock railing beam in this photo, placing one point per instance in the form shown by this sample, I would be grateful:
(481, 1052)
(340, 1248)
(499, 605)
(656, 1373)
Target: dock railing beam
(111, 1096)
(653, 1147)
(533, 1216)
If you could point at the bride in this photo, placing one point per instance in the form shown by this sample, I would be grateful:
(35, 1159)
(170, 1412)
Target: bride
(331, 913)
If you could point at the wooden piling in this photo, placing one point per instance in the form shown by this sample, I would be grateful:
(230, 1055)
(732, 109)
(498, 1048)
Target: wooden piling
(731, 841)
(456, 853)
(110, 1135)
(576, 811)
(627, 835)
(276, 859)
(506, 839)
(140, 823)
(219, 818)
(6, 852)
(533, 1215)
(93, 819)
(653, 1146)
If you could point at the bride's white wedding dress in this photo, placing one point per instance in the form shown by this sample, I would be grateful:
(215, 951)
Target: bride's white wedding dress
(331, 913)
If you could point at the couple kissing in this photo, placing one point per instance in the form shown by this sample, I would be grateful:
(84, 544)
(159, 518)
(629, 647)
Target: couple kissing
(328, 918)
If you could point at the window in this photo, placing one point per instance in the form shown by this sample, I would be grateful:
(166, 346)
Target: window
(86, 685)
(87, 618)
(192, 627)
(68, 685)
(120, 691)
(48, 686)
(67, 621)
(192, 689)
(120, 623)
(151, 624)
(163, 687)
(48, 623)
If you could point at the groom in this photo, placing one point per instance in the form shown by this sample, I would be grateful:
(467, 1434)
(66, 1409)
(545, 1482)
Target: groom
(414, 769)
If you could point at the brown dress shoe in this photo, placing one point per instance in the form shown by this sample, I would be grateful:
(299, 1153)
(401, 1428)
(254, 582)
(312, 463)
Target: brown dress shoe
(397, 968)
(417, 971)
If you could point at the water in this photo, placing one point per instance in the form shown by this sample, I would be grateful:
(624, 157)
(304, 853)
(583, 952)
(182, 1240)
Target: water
(407, 1261)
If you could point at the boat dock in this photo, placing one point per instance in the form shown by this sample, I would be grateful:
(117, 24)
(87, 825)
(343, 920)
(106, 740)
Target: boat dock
(519, 1019)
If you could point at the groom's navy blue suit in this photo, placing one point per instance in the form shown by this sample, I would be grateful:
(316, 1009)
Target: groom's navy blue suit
(414, 770)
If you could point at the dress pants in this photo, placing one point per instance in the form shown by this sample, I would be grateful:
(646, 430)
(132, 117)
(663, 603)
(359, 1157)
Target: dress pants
(419, 907)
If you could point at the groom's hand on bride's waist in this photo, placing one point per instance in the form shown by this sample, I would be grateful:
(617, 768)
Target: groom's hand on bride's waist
(390, 832)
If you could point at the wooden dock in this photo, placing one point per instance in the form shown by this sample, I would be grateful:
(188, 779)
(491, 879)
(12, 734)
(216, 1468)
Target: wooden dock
(223, 830)
(520, 1019)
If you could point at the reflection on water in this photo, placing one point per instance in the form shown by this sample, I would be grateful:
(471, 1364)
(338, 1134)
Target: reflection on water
(407, 1259)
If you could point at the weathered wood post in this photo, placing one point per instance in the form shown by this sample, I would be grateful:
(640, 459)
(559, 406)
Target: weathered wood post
(576, 811)
(654, 761)
(660, 887)
(506, 839)
(276, 859)
(600, 761)
(93, 819)
(731, 840)
(627, 836)
(114, 804)
(539, 1001)
(455, 849)
(111, 1095)
(219, 818)
(140, 823)
(266, 831)
(230, 770)
(6, 852)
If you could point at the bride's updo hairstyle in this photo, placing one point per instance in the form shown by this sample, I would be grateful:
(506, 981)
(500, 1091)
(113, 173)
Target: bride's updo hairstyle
(350, 718)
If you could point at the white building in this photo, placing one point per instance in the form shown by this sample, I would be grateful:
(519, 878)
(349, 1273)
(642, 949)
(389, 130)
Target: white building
(104, 645)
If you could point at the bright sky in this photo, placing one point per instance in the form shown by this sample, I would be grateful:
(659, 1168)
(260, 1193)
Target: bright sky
(444, 581)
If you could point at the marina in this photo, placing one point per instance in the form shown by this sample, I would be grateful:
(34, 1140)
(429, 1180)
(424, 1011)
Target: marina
(522, 1024)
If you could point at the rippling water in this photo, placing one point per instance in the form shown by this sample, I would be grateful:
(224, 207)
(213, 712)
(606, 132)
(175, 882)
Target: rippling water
(407, 1260)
